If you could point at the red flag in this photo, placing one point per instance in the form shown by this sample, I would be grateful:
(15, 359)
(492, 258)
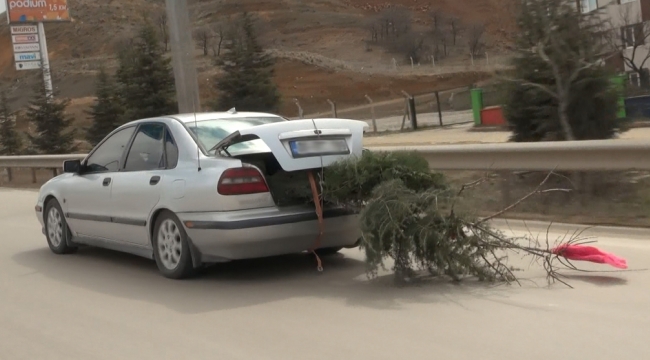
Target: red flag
(589, 253)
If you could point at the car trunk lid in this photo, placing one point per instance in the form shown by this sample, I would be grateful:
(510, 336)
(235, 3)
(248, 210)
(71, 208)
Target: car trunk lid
(304, 144)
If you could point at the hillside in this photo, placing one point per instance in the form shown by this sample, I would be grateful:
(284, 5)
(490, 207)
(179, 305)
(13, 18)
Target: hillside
(321, 45)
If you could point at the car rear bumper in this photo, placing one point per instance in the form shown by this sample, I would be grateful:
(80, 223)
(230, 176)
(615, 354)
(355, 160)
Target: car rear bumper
(223, 236)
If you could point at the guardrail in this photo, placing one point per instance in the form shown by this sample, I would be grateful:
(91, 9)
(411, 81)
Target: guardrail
(596, 155)
(592, 155)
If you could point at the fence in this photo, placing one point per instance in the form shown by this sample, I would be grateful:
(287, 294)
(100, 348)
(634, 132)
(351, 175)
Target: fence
(438, 108)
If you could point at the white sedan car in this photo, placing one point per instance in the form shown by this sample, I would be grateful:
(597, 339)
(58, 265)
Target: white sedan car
(194, 189)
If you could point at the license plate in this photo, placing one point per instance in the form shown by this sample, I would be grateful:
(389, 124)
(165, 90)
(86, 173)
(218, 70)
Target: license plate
(318, 147)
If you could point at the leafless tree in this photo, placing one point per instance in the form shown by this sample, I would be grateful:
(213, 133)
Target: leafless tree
(373, 28)
(628, 38)
(454, 28)
(394, 22)
(203, 36)
(476, 41)
(162, 22)
(439, 33)
(410, 45)
(219, 32)
(392, 28)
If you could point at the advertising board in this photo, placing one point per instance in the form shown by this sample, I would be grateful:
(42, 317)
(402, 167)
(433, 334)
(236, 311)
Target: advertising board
(22, 11)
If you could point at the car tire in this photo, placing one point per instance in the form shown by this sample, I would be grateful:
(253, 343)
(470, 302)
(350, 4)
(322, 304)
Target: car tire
(56, 227)
(328, 251)
(171, 248)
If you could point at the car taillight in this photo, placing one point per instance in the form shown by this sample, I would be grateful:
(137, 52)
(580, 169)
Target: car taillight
(242, 181)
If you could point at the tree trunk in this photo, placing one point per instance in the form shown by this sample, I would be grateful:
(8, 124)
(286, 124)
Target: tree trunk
(644, 78)
(562, 112)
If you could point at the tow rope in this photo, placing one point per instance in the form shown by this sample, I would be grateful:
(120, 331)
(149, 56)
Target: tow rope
(318, 202)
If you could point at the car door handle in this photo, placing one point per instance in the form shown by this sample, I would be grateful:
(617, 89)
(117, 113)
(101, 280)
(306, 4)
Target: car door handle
(107, 181)
(154, 180)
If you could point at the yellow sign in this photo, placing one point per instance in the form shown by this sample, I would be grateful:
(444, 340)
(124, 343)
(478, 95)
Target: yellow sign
(31, 11)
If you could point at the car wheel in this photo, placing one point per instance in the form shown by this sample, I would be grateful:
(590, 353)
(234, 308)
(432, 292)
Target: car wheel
(328, 251)
(170, 247)
(56, 229)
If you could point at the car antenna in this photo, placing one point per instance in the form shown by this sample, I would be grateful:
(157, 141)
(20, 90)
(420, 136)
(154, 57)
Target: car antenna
(196, 127)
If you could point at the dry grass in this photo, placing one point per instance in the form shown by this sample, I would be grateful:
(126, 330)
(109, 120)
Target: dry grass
(615, 198)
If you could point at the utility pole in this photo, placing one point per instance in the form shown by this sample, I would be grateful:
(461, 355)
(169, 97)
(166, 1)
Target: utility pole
(45, 61)
(182, 47)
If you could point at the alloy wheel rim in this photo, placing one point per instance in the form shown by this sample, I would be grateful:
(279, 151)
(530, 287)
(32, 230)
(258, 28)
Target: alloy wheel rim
(170, 247)
(55, 227)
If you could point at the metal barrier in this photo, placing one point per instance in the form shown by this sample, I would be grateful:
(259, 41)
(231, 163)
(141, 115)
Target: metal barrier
(597, 155)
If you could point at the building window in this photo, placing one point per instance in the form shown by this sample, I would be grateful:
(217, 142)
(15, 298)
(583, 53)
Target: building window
(634, 79)
(588, 5)
(627, 36)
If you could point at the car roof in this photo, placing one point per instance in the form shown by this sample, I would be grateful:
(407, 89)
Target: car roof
(191, 117)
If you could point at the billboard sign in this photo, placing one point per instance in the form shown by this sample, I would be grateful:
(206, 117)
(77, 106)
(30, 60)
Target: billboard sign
(26, 47)
(23, 29)
(29, 56)
(24, 39)
(28, 65)
(22, 11)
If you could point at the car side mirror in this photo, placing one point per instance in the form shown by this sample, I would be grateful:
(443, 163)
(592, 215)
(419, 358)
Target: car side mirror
(72, 166)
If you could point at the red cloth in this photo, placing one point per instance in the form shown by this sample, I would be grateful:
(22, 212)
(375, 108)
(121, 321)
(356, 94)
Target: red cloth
(589, 253)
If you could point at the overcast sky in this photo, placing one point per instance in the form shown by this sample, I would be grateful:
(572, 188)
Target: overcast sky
(2, 6)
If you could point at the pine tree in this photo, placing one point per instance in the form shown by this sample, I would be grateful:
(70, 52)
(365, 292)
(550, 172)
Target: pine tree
(53, 135)
(248, 80)
(107, 111)
(146, 80)
(10, 143)
(560, 90)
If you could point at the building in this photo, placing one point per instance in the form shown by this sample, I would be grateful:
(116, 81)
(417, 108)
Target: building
(629, 20)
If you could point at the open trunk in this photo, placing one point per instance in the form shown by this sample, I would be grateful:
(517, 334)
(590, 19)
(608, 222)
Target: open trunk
(288, 188)
(295, 148)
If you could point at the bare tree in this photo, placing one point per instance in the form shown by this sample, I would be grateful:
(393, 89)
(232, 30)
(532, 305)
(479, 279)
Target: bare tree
(161, 21)
(373, 28)
(439, 33)
(454, 28)
(392, 28)
(203, 36)
(394, 22)
(410, 45)
(628, 38)
(476, 41)
(219, 31)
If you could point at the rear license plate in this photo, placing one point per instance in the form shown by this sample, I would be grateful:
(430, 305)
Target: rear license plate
(318, 147)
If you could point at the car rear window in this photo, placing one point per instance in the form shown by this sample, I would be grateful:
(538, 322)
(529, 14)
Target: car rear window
(211, 132)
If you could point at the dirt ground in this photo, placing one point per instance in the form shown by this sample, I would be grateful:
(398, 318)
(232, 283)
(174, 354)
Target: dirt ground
(320, 47)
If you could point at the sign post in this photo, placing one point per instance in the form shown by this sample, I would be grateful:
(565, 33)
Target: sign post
(26, 18)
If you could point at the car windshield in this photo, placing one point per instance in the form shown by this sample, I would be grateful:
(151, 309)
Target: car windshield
(211, 132)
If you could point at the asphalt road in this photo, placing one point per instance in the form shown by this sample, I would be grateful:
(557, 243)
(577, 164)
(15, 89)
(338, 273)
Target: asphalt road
(99, 304)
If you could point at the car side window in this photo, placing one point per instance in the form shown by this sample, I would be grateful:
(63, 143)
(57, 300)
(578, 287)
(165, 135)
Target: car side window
(171, 150)
(147, 151)
(107, 157)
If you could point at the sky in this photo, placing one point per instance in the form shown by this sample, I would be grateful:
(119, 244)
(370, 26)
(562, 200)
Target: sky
(2, 6)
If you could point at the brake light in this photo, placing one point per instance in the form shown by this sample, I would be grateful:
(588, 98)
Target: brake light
(242, 181)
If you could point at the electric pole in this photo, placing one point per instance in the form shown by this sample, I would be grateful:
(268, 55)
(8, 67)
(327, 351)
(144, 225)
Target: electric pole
(182, 47)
